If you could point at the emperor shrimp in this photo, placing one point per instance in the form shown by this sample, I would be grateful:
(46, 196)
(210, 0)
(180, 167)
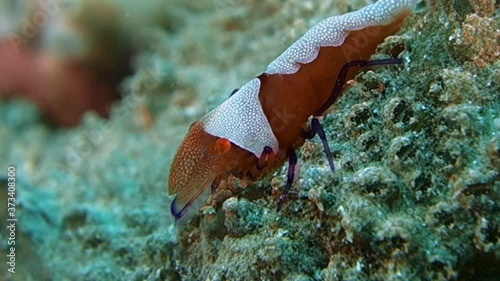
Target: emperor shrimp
(261, 125)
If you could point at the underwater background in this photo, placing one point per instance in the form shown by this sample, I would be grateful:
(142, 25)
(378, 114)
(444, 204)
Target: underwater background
(96, 97)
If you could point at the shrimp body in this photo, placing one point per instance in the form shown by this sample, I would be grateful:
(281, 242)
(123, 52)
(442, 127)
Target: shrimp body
(258, 127)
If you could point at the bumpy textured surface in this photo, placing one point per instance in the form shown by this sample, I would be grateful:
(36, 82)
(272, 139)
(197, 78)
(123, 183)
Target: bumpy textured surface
(417, 147)
(241, 120)
(332, 32)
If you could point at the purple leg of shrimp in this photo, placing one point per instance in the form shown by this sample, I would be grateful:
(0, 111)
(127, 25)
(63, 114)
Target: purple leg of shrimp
(339, 84)
(317, 129)
(292, 162)
(215, 185)
(261, 163)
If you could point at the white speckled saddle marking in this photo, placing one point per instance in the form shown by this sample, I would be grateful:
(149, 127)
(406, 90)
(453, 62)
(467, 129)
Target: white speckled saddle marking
(241, 120)
(333, 31)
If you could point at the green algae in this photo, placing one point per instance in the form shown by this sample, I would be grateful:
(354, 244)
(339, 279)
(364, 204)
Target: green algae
(415, 195)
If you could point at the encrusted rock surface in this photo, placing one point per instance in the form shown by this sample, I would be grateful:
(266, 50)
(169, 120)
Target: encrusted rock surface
(417, 149)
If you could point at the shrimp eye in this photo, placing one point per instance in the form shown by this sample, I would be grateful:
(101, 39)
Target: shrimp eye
(222, 146)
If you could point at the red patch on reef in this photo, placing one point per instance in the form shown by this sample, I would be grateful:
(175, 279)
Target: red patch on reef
(62, 89)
